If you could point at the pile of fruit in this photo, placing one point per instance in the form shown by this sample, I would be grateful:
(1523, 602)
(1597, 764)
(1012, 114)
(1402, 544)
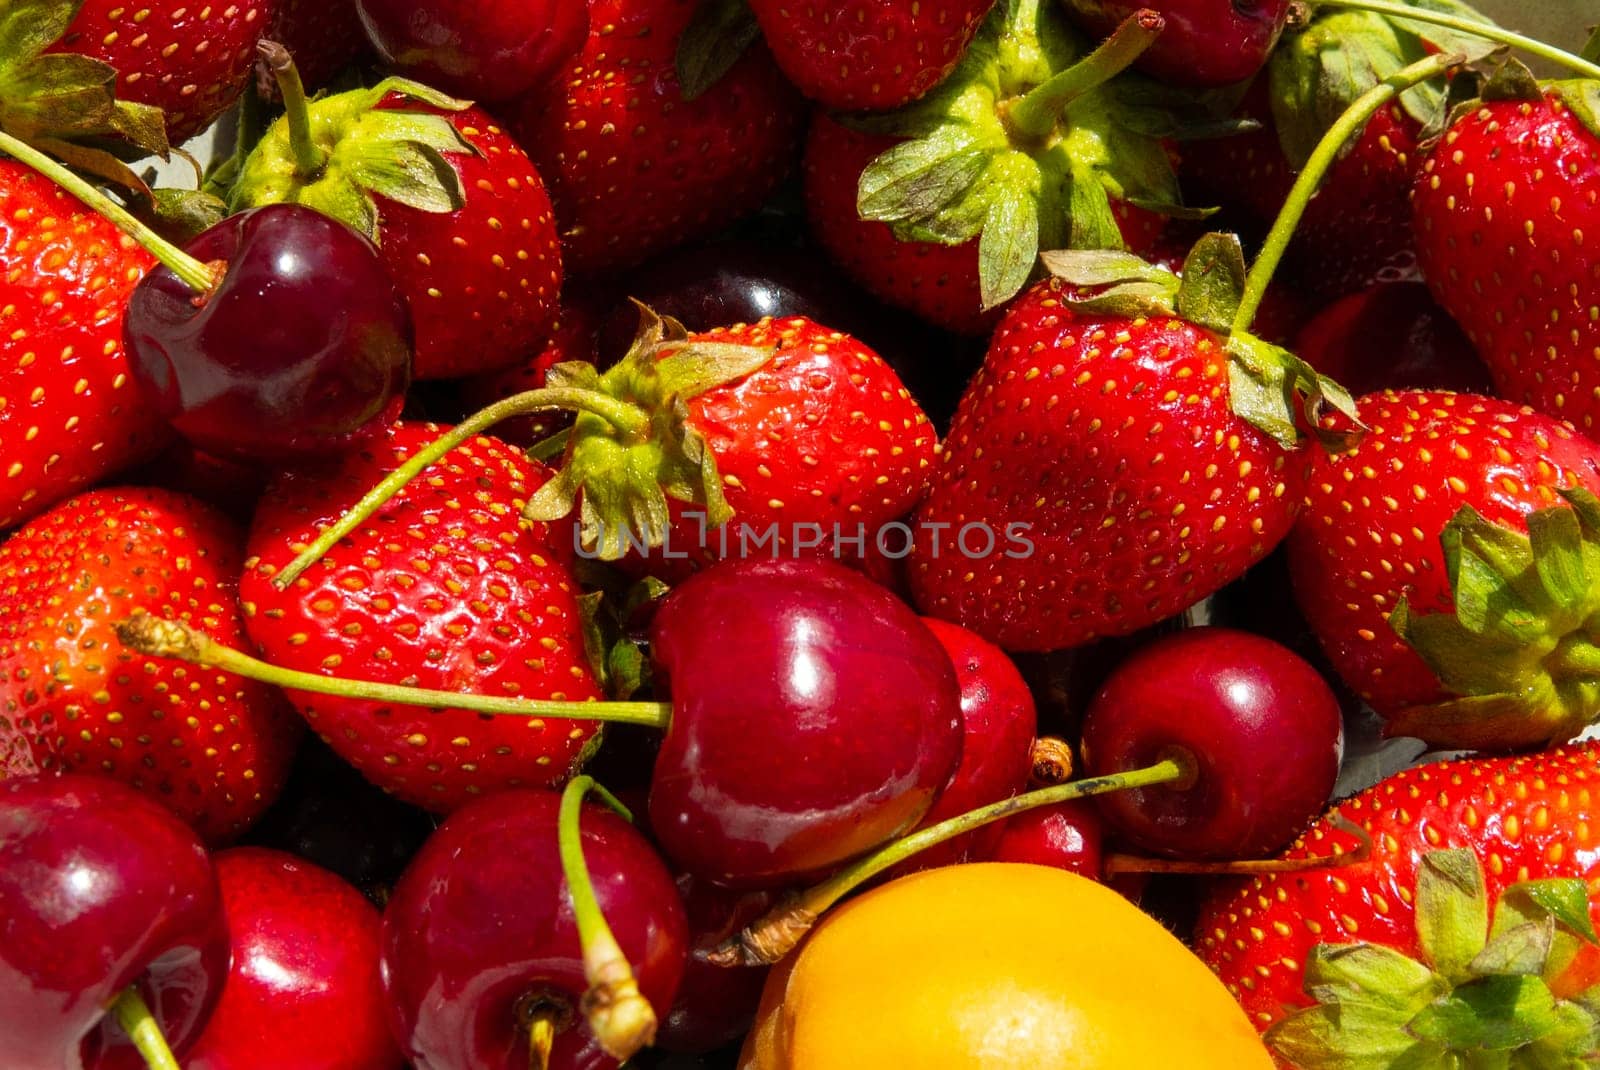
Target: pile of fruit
(796, 535)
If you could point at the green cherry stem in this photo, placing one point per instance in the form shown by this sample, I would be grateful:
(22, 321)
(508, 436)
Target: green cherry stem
(197, 276)
(773, 936)
(621, 1019)
(142, 1028)
(1038, 112)
(1487, 31)
(1327, 151)
(155, 637)
(629, 419)
(309, 160)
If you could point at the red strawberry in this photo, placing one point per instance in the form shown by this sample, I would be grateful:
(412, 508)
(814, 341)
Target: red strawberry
(68, 414)
(635, 168)
(1393, 945)
(868, 55)
(1373, 524)
(323, 36)
(1507, 207)
(191, 60)
(213, 747)
(1391, 336)
(458, 210)
(445, 587)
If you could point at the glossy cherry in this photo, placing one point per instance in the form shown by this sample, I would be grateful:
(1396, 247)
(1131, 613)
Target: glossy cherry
(1392, 336)
(480, 934)
(1069, 836)
(715, 1004)
(1262, 729)
(101, 889)
(479, 49)
(1206, 42)
(302, 346)
(303, 989)
(814, 716)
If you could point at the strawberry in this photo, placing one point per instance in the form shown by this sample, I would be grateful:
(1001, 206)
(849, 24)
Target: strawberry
(1468, 926)
(324, 36)
(446, 587)
(868, 55)
(634, 166)
(942, 207)
(214, 748)
(460, 214)
(1371, 536)
(1506, 209)
(1110, 435)
(68, 414)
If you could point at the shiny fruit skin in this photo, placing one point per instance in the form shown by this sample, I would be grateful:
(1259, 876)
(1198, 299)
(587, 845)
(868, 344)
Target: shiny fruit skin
(1069, 836)
(1206, 43)
(101, 888)
(814, 717)
(477, 49)
(323, 36)
(715, 1004)
(1391, 336)
(996, 966)
(483, 918)
(1229, 699)
(303, 347)
(303, 990)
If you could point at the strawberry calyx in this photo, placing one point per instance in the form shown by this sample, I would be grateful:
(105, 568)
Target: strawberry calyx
(1521, 648)
(715, 39)
(1025, 146)
(1480, 993)
(1513, 81)
(338, 154)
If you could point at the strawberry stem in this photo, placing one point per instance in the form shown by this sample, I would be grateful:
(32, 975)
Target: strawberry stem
(776, 934)
(1327, 151)
(629, 419)
(155, 637)
(1487, 31)
(197, 276)
(308, 158)
(1035, 115)
(134, 1015)
(621, 1019)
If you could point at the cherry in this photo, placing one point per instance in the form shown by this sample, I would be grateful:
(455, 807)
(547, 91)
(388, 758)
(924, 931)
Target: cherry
(1069, 836)
(1206, 42)
(481, 946)
(1261, 729)
(303, 346)
(480, 49)
(303, 990)
(814, 717)
(715, 1004)
(112, 921)
(1392, 336)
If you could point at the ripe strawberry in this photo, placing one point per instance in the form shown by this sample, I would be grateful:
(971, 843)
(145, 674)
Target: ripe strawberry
(323, 36)
(191, 60)
(1391, 336)
(1506, 208)
(1372, 532)
(633, 166)
(445, 587)
(214, 748)
(458, 210)
(68, 415)
(1390, 949)
(869, 55)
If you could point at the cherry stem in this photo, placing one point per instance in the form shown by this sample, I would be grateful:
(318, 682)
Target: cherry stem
(629, 419)
(1327, 151)
(308, 158)
(541, 1038)
(1487, 31)
(776, 934)
(134, 1015)
(194, 274)
(155, 637)
(1036, 114)
(621, 1019)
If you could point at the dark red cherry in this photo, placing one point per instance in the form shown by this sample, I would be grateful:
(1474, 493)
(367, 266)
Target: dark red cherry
(303, 346)
(814, 716)
(303, 990)
(1261, 727)
(101, 888)
(1069, 836)
(1392, 336)
(1206, 42)
(480, 933)
(479, 49)
(715, 1004)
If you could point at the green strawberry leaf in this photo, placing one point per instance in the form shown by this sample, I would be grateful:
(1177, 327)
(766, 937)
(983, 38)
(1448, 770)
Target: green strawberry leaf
(1445, 38)
(1352, 1036)
(918, 179)
(1372, 974)
(1452, 910)
(1520, 951)
(1492, 1014)
(1511, 80)
(1213, 282)
(1555, 537)
(720, 32)
(1008, 247)
(1566, 902)
(1272, 389)
(28, 27)
(1582, 95)
(1591, 47)
(181, 214)
(1112, 282)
